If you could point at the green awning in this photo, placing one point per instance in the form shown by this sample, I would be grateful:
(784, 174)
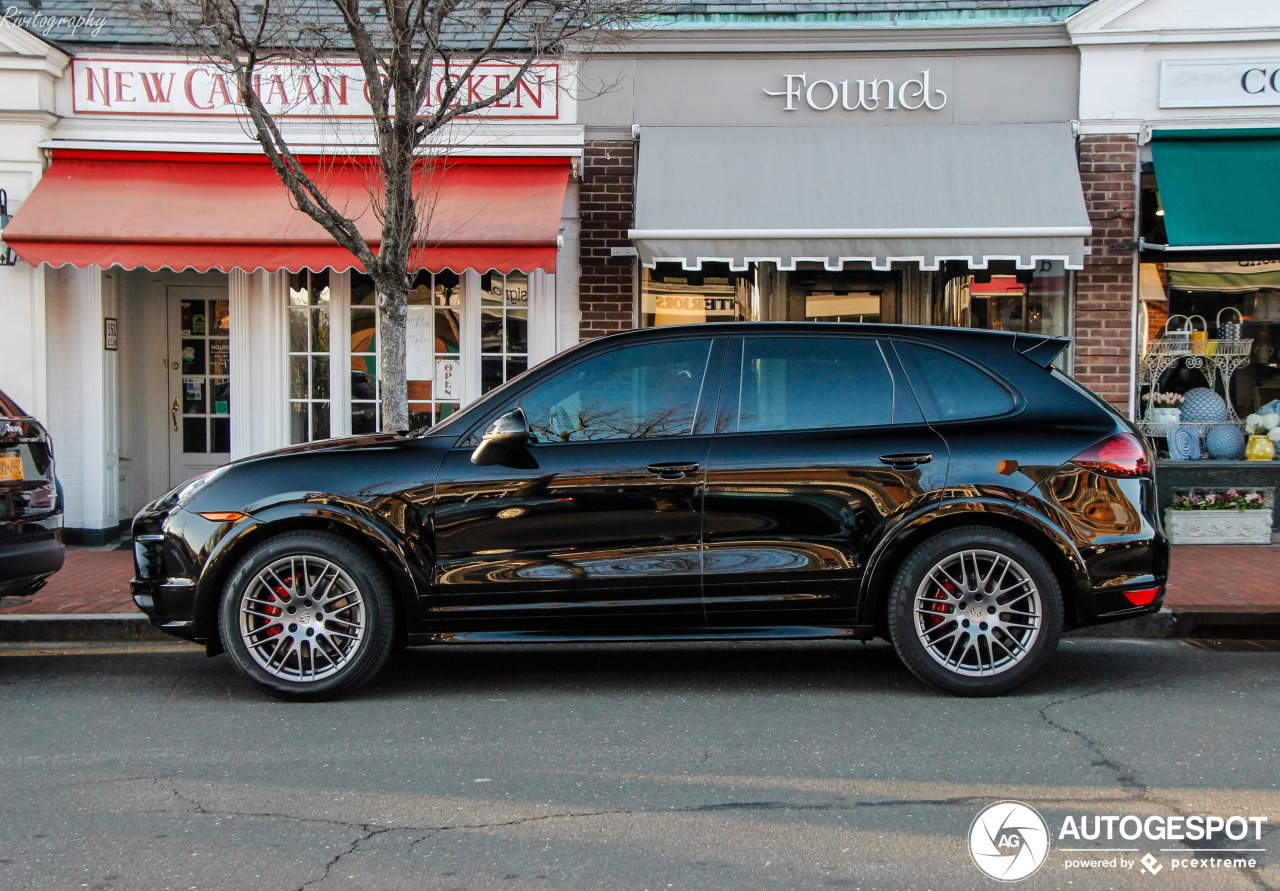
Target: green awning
(1229, 276)
(1220, 189)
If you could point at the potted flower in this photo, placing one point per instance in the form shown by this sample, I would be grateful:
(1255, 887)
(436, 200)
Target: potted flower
(1264, 435)
(1164, 411)
(1219, 518)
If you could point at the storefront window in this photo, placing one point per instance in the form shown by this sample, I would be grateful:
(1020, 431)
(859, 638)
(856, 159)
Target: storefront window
(673, 295)
(504, 327)
(309, 356)
(1209, 297)
(435, 369)
(1002, 298)
(434, 326)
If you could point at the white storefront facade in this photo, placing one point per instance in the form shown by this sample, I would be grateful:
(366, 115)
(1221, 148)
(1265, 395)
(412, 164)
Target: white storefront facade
(1191, 93)
(170, 310)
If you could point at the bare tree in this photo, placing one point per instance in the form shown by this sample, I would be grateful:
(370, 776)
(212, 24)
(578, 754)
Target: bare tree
(417, 58)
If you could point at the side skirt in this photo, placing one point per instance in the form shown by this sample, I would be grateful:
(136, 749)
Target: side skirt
(771, 632)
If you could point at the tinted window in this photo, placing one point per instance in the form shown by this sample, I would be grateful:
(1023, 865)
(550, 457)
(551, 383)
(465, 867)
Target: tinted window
(805, 383)
(645, 390)
(957, 389)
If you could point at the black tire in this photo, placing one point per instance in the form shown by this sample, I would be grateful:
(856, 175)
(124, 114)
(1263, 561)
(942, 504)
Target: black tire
(949, 631)
(309, 573)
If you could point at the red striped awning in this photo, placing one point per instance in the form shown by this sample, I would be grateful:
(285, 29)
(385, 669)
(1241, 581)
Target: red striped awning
(202, 212)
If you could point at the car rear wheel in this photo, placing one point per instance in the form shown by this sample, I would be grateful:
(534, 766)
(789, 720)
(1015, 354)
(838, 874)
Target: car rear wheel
(975, 611)
(307, 615)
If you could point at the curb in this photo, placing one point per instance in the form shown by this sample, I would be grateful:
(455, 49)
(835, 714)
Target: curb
(1153, 626)
(1233, 624)
(78, 627)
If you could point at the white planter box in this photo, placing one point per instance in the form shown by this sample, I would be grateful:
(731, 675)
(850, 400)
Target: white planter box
(1218, 526)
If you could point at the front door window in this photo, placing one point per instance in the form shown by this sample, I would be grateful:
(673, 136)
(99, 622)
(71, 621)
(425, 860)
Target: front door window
(633, 393)
(199, 380)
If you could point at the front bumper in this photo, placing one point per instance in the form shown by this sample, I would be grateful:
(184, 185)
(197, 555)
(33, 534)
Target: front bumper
(170, 607)
(168, 555)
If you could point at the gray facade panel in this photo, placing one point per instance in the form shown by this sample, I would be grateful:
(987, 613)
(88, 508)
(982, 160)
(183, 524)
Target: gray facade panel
(982, 87)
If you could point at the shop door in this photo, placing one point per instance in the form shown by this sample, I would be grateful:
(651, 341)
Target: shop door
(198, 412)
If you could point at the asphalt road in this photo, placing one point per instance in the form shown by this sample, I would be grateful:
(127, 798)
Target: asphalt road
(733, 766)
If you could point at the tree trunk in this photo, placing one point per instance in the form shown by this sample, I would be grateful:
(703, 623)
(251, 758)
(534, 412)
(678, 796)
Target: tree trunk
(392, 370)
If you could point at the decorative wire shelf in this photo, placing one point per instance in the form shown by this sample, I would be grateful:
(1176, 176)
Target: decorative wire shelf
(1213, 358)
(1153, 427)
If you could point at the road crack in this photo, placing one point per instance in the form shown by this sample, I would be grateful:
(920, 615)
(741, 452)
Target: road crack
(1126, 777)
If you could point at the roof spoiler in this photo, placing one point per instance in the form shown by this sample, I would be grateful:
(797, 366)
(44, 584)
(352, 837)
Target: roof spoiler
(1040, 349)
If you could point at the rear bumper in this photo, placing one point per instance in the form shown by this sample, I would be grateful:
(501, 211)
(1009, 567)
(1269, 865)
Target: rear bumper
(1113, 604)
(27, 559)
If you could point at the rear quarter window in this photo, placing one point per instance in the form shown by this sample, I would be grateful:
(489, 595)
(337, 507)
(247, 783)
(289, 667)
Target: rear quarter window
(951, 388)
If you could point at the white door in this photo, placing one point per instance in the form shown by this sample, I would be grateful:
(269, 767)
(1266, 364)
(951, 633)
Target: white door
(199, 408)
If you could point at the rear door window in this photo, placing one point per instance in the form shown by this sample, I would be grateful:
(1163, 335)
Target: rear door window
(951, 388)
(807, 383)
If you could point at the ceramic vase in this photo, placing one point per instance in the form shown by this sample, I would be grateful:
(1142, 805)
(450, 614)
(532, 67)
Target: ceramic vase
(1259, 448)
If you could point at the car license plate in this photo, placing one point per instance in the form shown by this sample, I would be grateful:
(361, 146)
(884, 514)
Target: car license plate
(10, 467)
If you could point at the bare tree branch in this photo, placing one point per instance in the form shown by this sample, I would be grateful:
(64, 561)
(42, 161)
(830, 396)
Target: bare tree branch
(420, 61)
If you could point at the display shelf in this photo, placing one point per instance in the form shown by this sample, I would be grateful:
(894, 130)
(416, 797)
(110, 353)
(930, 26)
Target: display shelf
(1217, 360)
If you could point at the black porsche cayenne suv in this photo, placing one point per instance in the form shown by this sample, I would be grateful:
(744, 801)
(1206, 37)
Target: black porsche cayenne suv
(947, 489)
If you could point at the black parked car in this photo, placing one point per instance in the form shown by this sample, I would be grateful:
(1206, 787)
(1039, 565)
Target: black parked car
(947, 489)
(30, 507)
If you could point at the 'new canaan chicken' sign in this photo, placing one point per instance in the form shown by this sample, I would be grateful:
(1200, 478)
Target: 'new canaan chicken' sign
(327, 90)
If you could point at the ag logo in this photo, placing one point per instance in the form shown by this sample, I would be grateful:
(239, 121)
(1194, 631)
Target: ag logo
(1008, 841)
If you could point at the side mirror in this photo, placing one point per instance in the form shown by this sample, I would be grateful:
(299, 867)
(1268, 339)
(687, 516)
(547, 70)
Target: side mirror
(507, 433)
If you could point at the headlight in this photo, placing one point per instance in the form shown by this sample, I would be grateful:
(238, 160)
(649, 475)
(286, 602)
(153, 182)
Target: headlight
(184, 493)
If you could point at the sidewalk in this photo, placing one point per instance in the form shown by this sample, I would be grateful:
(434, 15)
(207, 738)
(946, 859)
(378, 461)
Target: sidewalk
(1223, 590)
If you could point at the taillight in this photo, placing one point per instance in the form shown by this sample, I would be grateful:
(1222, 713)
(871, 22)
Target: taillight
(1144, 597)
(1122, 455)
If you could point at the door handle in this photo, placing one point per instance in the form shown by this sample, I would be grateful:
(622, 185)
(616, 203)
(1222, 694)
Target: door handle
(173, 414)
(906, 460)
(672, 470)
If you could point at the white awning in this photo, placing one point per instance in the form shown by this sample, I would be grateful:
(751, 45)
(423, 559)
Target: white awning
(884, 194)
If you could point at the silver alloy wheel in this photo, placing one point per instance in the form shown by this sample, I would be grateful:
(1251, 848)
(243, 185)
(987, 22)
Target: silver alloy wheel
(302, 618)
(978, 613)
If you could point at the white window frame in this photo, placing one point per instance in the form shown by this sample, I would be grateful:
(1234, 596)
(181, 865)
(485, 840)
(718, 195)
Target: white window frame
(541, 345)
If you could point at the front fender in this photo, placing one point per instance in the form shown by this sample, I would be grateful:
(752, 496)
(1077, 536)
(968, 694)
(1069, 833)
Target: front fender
(948, 510)
(408, 577)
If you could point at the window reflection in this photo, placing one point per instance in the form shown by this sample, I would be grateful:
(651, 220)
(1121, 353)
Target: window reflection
(642, 391)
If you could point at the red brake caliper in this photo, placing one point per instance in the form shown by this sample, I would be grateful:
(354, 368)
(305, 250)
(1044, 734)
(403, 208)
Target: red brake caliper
(282, 594)
(939, 605)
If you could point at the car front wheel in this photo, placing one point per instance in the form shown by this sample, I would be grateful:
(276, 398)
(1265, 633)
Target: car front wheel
(975, 611)
(307, 615)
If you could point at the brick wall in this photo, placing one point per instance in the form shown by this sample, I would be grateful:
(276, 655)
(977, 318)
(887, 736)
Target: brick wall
(606, 203)
(1105, 288)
